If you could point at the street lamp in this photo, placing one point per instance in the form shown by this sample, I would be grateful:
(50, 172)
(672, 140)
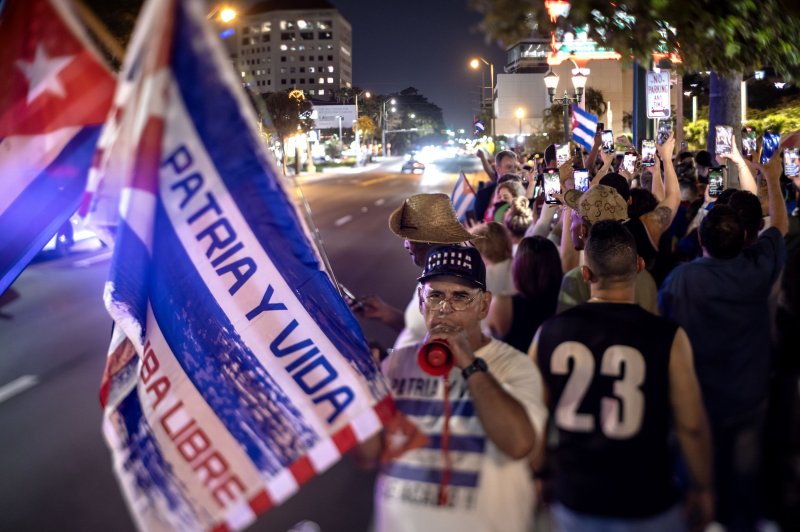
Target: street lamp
(475, 63)
(366, 94)
(578, 83)
(393, 102)
(520, 114)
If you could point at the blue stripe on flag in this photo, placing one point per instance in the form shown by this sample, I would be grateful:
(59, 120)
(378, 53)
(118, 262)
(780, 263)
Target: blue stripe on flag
(432, 476)
(468, 444)
(236, 154)
(424, 407)
(584, 127)
(145, 463)
(47, 202)
(222, 368)
(462, 197)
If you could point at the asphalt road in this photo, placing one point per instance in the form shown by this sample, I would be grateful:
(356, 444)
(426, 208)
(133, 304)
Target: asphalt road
(54, 332)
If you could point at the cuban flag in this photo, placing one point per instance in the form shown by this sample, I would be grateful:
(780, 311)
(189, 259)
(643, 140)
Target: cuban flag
(236, 372)
(584, 127)
(462, 197)
(55, 96)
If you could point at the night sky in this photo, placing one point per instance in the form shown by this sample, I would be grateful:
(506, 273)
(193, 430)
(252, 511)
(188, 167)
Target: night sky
(425, 44)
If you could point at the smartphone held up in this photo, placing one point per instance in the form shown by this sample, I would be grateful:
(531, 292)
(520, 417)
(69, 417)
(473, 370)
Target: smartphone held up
(716, 181)
(724, 144)
(648, 153)
(629, 162)
(791, 162)
(552, 186)
(607, 138)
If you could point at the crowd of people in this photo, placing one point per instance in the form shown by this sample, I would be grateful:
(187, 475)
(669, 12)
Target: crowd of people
(624, 359)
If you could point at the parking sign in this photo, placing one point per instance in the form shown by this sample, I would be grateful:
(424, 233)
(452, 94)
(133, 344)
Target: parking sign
(658, 94)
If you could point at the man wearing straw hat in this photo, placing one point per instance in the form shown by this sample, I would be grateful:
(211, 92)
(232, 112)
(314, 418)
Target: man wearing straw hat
(423, 221)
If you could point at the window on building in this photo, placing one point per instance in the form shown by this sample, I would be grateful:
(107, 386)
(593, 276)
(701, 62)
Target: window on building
(243, 73)
(284, 47)
(329, 47)
(324, 24)
(320, 57)
(312, 92)
(302, 70)
(292, 70)
(330, 80)
(269, 82)
(302, 81)
(246, 30)
(293, 81)
(330, 69)
(287, 25)
(330, 58)
(325, 35)
(302, 58)
(283, 59)
(310, 70)
(265, 38)
(292, 58)
(266, 27)
(321, 92)
(288, 36)
(283, 81)
(321, 81)
(283, 70)
(307, 35)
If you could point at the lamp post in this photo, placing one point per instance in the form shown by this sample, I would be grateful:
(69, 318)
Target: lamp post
(520, 114)
(475, 63)
(383, 125)
(578, 83)
(366, 94)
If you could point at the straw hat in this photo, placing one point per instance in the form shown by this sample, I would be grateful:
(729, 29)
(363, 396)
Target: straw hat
(428, 218)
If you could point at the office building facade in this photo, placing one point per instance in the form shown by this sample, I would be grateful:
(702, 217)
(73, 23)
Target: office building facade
(283, 45)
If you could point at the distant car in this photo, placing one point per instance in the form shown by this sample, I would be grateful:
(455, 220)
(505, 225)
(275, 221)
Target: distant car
(411, 166)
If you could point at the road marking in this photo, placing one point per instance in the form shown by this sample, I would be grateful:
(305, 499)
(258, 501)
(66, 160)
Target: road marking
(83, 263)
(17, 386)
(343, 220)
(379, 202)
(374, 180)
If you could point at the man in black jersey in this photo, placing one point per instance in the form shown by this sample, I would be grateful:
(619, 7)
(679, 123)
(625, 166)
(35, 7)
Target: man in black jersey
(619, 379)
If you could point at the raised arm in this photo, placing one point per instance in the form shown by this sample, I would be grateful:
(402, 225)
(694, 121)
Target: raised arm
(659, 219)
(779, 217)
(487, 166)
(746, 178)
(592, 157)
(504, 419)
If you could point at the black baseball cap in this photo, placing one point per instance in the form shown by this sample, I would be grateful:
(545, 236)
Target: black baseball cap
(455, 261)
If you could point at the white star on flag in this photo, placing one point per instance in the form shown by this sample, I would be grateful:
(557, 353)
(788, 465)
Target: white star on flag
(42, 74)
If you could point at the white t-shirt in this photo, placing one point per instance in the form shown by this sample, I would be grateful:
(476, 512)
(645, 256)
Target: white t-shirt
(499, 280)
(414, 330)
(488, 491)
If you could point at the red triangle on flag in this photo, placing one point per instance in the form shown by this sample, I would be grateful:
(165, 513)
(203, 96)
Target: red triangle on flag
(52, 80)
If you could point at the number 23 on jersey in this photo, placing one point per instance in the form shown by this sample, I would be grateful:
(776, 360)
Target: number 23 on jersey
(620, 415)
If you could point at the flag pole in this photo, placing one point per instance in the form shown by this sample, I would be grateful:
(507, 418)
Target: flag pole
(100, 31)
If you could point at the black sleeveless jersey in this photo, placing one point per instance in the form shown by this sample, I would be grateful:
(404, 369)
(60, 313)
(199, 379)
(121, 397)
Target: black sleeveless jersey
(606, 366)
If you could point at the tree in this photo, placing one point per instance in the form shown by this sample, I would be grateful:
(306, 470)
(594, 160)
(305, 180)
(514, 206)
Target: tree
(288, 116)
(366, 127)
(724, 36)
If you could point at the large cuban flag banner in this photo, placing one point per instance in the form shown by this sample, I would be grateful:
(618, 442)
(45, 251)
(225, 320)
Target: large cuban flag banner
(236, 372)
(55, 94)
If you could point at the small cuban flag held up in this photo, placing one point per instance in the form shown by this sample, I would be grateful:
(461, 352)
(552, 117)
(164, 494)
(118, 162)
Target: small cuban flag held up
(584, 127)
(462, 197)
(236, 372)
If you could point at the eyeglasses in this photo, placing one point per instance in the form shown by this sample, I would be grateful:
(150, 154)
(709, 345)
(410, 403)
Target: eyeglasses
(458, 301)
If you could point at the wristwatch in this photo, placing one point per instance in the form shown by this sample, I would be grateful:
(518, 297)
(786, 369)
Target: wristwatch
(478, 365)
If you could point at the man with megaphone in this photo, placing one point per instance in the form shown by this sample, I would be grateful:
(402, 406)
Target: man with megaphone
(475, 408)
